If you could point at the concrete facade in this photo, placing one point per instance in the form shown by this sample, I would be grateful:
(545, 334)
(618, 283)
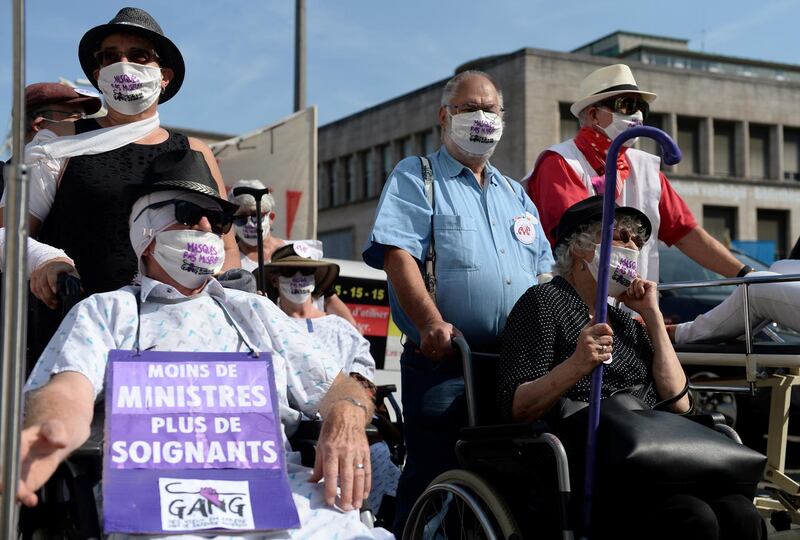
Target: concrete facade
(704, 111)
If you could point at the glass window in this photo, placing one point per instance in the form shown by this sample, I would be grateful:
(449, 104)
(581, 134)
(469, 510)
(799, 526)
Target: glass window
(427, 142)
(337, 244)
(351, 190)
(322, 188)
(403, 148)
(791, 153)
(724, 156)
(689, 142)
(333, 184)
(772, 225)
(759, 151)
(568, 125)
(386, 163)
(720, 222)
(371, 188)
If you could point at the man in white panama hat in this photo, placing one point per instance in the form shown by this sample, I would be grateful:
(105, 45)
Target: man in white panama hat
(610, 102)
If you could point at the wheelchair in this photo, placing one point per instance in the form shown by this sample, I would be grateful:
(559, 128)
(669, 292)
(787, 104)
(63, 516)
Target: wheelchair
(68, 506)
(514, 482)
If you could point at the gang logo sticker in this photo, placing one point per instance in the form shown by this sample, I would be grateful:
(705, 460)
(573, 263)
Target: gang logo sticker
(190, 505)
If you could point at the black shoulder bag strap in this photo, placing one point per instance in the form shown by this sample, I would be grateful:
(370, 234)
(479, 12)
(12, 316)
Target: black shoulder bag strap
(429, 274)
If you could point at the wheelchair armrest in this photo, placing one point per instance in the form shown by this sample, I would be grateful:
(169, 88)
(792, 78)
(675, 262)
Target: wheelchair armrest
(503, 431)
(384, 390)
(309, 430)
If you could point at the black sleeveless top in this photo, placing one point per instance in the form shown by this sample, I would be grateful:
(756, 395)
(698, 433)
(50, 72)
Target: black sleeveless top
(89, 216)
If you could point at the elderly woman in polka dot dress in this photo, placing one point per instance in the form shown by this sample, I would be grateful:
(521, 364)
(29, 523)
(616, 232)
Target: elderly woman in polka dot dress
(551, 346)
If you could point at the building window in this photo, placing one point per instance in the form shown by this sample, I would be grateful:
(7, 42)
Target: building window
(772, 225)
(368, 181)
(689, 142)
(333, 184)
(759, 151)
(724, 155)
(791, 154)
(403, 148)
(568, 125)
(337, 244)
(386, 164)
(720, 222)
(322, 190)
(647, 144)
(426, 142)
(351, 190)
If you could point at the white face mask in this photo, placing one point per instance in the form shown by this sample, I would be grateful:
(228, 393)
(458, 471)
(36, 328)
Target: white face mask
(476, 133)
(296, 289)
(623, 268)
(248, 233)
(130, 88)
(189, 257)
(620, 122)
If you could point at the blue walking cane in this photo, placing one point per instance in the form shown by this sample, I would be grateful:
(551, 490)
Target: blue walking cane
(671, 155)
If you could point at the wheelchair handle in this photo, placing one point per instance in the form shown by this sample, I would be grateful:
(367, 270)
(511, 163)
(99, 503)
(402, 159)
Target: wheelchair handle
(69, 291)
(460, 344)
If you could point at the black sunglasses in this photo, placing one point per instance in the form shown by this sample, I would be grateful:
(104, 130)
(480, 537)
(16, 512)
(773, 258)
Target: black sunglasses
(626, 105)
(241, 220)
(190, 215)
(289, 271)
(135, 55)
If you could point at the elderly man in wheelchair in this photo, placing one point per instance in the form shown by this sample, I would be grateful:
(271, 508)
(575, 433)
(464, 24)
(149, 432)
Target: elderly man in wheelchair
(660, 474)
(175, 229)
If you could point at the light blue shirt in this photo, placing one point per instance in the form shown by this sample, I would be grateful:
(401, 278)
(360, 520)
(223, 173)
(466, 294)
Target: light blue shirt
(482, 266)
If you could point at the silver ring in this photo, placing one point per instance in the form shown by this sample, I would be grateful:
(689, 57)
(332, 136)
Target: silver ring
(359, 465)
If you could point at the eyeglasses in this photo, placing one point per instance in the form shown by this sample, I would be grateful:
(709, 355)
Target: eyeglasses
(473, 107)
(289, 271)
(626, 105)
(190, 214)
(136, 55)
(625, 236)
(47, 114)
(242, 220)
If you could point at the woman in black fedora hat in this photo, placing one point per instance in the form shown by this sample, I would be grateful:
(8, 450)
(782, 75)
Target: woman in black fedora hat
(80, 171)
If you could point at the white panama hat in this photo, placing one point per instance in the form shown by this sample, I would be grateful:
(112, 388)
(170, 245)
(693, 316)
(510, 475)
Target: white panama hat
(607, 82)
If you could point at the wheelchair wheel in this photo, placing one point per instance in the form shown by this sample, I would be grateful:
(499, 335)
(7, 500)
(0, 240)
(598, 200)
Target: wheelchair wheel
(460, 504)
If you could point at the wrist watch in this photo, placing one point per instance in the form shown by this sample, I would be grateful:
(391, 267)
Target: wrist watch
(746, 269)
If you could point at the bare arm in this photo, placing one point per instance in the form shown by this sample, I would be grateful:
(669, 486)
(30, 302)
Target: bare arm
(668, 375)
(343, 443)
(534, 398)
(334, 305)
(435, 333)
(707, 251)
(232, 259)
(58, 419)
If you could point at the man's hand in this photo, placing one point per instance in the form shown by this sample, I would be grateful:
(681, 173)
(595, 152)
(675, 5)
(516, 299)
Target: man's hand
(44, 280)
(436, 339)
(42, 448)
(343, 456)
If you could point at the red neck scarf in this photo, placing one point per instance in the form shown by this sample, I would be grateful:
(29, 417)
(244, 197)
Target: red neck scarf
(594, 146)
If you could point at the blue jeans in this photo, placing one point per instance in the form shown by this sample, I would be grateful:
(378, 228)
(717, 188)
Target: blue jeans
(434, 409)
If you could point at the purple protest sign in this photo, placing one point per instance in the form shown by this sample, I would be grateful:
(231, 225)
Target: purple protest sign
(193, 443)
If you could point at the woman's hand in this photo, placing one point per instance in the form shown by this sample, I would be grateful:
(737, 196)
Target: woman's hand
(641, 296)
(594, 346)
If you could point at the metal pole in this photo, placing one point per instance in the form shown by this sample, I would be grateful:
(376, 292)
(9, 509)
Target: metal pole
(299, 55)
(15, 289)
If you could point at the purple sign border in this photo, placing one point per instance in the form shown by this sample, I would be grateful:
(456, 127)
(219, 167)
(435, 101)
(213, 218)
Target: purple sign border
(131, 500)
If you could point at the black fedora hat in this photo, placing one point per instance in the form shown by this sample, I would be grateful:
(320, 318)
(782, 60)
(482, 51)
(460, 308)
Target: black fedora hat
(183, 170)
(591, 209)
(134, 21)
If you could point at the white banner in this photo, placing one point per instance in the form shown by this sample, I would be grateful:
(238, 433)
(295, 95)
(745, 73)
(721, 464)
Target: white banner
(283, 155)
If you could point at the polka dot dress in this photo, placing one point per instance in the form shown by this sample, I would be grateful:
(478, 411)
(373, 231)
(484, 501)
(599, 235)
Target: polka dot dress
(542, 331)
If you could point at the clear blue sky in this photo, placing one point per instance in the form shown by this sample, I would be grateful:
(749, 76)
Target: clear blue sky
(239, 53)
